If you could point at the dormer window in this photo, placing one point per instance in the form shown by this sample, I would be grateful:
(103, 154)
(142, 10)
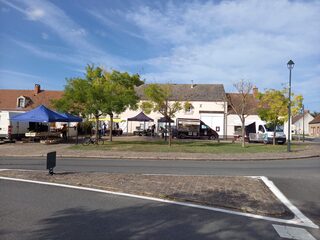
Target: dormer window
(21, 102)
(188, 108)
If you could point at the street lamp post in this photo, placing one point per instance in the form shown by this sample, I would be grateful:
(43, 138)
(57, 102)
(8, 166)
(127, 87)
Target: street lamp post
(303, 123)
(290, 66)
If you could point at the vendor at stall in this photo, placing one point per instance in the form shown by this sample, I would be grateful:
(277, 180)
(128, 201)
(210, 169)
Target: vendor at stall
(64, 130)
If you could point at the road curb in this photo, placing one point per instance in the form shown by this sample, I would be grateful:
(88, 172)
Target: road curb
(168, 158)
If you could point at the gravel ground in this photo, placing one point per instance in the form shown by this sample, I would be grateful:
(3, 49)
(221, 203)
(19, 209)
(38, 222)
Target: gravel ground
(243, 194)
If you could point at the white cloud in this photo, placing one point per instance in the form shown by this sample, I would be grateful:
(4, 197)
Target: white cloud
(26, 80)
(60, 55)
(81, 51)
(56, 20)
(223, 42)
(35, 13)
(106, 18)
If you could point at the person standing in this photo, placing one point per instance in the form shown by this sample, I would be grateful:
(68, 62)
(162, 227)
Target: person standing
(104, 128)
(153, 127)
(64, 130)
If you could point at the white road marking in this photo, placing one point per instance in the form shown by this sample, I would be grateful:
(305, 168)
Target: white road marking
(292, 221)
(298, 214)
(293, 232)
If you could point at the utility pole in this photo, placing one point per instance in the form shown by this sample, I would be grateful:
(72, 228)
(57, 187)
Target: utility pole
(303, 123)
(290, 66)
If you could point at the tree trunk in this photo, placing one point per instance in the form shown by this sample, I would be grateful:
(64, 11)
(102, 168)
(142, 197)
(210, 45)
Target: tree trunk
(243, 132)
(111, 126)
(170, 134)
(97, 127)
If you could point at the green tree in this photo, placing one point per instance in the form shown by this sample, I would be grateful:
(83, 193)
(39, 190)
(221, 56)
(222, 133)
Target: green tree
(273, 107)
(160, 100)
(100, 93)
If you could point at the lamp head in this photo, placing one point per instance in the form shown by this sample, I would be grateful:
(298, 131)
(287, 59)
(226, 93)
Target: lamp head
(290, 64)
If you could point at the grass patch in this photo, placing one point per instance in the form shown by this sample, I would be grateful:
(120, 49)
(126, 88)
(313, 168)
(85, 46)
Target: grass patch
(185, 146)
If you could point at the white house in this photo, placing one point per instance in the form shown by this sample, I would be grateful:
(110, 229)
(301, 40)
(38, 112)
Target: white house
(233, 121)
(208, 104)
(300, 122)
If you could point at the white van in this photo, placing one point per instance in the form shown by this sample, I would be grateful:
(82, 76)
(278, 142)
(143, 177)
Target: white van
(11, 129)
(260, 132)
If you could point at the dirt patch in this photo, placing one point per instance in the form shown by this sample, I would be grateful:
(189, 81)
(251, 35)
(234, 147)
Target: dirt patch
(243, 194)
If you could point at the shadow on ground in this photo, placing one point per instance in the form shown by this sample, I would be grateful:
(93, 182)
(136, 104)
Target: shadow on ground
(150, 221)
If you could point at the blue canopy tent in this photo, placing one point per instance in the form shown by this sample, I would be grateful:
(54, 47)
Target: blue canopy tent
(40, 114)
(71, 118)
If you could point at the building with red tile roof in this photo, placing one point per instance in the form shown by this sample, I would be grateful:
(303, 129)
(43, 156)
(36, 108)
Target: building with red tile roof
(25, 100)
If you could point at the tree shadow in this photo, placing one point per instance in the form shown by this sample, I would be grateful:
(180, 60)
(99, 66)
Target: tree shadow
(148, 221)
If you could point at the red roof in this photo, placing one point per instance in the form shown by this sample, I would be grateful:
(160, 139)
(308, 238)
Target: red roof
(315, 120)
(251, 107)
(8, 99)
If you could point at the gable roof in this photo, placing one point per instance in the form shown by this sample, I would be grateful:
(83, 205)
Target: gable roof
(235, 98)
(299, 116)
(315, 120)
(8, 98)
(191, 92)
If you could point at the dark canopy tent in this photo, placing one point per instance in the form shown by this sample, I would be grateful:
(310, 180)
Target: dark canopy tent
(141, 117)
(165, 120)
(40, 114)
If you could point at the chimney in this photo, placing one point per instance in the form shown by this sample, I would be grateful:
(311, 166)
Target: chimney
(36, 89)
(255, 91)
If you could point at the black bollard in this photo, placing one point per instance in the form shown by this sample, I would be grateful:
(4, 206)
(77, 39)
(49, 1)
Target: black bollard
(51, 161)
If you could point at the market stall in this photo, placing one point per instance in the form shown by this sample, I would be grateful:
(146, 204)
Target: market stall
(141, 117)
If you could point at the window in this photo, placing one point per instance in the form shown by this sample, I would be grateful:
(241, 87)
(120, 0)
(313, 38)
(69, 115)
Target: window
(261, 129)
(21, 102)
(237, 130)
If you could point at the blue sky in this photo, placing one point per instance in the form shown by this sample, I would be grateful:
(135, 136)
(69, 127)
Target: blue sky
(164, 41)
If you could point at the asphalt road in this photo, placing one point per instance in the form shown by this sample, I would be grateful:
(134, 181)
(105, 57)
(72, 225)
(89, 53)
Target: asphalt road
(80, 215)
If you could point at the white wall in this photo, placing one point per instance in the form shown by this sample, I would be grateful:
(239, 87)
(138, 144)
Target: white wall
(298, 125)
(234, 120)
(199, 106)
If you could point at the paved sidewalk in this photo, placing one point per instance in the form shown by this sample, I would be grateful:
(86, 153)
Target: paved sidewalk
(63, 150)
